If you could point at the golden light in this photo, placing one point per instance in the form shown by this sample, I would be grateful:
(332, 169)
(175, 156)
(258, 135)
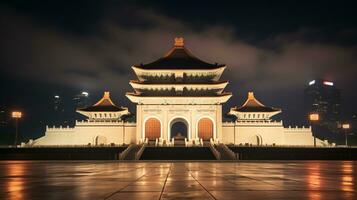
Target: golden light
(314, 117)
(16, 114)
(345, 126)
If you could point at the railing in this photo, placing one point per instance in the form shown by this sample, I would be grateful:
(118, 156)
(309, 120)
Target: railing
(229, 152)
(25, 145)
(287, 146)
(216, 154)
(245, 122)
(123, 154)
(140, 152)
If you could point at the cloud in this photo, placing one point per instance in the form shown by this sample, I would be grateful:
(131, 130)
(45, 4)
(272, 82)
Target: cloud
(103, 58)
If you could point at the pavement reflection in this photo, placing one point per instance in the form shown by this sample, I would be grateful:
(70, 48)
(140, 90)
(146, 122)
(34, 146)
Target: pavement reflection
(172, 180)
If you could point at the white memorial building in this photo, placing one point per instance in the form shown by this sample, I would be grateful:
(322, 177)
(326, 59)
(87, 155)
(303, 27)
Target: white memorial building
(178, 98)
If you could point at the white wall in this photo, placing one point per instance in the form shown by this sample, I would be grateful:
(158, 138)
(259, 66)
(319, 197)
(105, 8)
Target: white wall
(116, 132)
(86, 132)
(269, 133)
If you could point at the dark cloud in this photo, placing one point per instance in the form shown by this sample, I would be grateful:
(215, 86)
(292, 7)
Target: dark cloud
(103, 59)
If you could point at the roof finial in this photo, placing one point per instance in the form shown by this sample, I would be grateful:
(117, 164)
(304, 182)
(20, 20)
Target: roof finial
(179, 42)
(250, 95)
(106, 95)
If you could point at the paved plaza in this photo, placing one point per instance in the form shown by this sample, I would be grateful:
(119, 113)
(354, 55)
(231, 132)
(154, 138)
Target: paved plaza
(178, 180)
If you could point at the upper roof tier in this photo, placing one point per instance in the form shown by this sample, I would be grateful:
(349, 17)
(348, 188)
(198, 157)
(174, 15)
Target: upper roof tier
(179, 58)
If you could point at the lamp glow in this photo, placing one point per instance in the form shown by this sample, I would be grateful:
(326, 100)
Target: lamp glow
(16, 114)
(345, 126)
(314, 117)
(329, 83)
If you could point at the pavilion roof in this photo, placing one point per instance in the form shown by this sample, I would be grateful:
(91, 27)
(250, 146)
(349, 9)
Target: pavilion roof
(103, 105)
(179, 58)
(253, 105)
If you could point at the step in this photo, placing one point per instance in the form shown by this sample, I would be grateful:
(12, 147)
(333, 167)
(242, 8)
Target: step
(177, 153)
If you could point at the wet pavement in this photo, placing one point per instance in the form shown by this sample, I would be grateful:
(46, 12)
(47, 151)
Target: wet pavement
(178, 180)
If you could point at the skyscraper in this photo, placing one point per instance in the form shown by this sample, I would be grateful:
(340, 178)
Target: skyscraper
(81, 100)
(58, 109)
(322, 97)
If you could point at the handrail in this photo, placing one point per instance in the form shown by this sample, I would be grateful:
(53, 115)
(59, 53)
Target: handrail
(140, 152)
(216, 154)
(229, 152)
(123, 154)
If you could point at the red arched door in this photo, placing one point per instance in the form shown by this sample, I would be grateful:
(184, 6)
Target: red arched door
(152, 129)
(205, 129)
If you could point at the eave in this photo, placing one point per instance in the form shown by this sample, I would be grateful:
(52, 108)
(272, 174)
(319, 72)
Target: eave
(178, 73)
(218, 99)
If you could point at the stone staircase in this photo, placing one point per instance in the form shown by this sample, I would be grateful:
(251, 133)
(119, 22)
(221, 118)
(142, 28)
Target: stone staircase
(131, 152)
(225, 152)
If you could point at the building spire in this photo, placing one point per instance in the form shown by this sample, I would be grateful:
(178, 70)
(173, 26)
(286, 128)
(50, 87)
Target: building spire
(106, 95)
(179, 42)
(251, 95)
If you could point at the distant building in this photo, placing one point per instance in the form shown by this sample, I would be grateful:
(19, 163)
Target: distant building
(6, 127)
(3, 118)
(57, 103)
(322, 97)
(81, 100)
(58, 109)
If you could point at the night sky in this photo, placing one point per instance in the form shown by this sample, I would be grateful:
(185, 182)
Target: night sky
(273, 49)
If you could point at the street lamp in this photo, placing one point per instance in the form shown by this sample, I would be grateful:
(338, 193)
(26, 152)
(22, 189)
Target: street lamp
(314, 117)
(345, 127)
(16, 115)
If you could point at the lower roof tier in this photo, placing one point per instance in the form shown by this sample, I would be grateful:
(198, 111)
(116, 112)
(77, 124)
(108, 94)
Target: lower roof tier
(204, 100)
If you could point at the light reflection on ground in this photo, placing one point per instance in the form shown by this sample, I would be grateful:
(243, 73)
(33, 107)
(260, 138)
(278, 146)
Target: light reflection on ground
(172, 180)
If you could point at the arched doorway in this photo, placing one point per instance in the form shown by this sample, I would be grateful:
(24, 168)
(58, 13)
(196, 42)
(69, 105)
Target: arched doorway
(152, 129)
(256, 140)
(100, 140)
(205, 129)
(179, 129)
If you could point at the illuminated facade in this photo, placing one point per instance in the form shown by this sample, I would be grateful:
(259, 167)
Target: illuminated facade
(178, 98)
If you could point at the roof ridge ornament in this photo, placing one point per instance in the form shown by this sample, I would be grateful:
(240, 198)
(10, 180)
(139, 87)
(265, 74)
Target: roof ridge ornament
(179, 42)
(105, 100)
(106, 95)
(252, 101)
(251, 95)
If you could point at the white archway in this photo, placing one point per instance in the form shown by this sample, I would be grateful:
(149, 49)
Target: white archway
(179, 119)
(143, 126)
(214, 125)
(100, 140)
(256, 140)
